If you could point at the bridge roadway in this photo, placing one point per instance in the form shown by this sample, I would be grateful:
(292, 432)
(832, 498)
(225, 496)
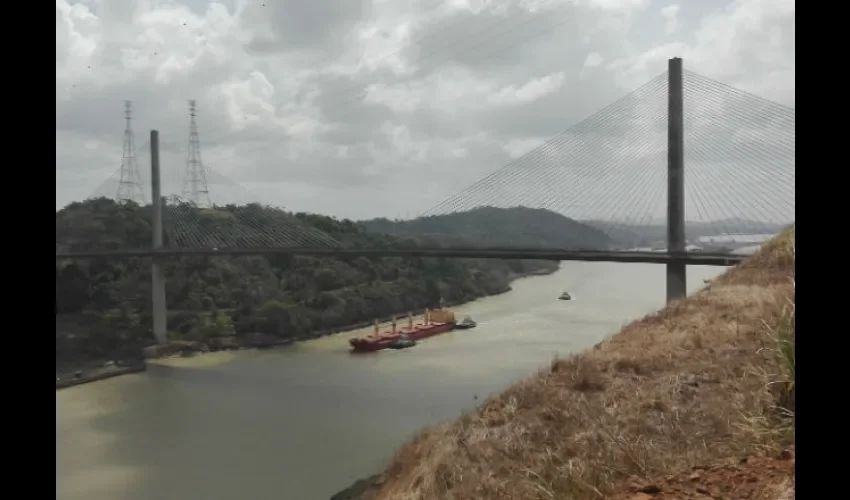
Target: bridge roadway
(689, 258)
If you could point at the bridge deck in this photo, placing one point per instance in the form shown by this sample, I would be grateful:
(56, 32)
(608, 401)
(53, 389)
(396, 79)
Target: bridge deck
(691, 258)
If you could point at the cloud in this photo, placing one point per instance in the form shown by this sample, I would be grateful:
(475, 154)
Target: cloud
(749, 44)
(287, 25)
(671, 21)
(593, 60)
(376, 107)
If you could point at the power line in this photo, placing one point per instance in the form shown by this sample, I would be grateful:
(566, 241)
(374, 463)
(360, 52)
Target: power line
(130, 182)
(195, 183)
(109, 187)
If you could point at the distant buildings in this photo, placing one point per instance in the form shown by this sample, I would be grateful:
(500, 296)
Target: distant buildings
(748, 239)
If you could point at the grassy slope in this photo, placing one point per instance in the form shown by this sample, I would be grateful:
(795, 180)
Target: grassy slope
(685, 386)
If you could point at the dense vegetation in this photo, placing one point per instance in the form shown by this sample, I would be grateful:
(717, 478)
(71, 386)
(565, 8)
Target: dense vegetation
(103, 305)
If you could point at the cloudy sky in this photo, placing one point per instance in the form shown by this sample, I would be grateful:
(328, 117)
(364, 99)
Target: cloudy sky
(363, 108)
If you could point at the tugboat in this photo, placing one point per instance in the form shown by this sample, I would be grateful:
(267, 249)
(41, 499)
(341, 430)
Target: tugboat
(402, 342)
(565, 296)
(466, 324)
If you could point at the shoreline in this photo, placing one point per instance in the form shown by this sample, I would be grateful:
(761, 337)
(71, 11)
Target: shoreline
(676, 409)
(368, 486)
(101, 370)
(267, 341)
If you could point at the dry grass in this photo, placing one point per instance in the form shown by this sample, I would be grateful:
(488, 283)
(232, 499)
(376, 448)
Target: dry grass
(685, 386)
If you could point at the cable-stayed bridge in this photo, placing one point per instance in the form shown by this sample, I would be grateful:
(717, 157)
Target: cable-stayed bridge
(674, 172)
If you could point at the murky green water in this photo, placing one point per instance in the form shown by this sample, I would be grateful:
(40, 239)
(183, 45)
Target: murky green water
(303, 422)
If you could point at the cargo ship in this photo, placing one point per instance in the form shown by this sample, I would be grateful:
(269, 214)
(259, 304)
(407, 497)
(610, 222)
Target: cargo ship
(433, 323)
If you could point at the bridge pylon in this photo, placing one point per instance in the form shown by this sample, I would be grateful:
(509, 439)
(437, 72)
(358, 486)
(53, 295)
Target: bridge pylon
(159, 307)
(676, 270)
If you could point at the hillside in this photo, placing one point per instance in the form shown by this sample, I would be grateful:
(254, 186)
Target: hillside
(497, 227)
(626, 235)
(103, 306)
(707, 380)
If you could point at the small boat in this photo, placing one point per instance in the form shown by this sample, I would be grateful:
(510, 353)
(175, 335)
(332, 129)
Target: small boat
(402, 342)
(565, 296)
(466, 324)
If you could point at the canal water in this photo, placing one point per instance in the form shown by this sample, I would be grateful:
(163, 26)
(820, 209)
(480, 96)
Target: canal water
(303, 422)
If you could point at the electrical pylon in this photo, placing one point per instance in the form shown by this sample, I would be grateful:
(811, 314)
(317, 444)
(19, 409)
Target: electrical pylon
(130, 183)
(195, 182)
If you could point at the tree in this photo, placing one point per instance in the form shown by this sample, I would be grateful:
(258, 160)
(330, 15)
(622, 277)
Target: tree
(103, 303)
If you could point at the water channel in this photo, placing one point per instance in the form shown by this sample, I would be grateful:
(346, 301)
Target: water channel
(303, 422)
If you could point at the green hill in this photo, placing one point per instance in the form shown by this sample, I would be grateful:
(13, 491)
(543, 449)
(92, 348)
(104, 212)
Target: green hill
(103, 305)
(498, 227)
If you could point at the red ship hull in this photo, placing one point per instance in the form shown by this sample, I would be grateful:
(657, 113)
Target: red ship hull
(369, 345)
(383, 341)
(420, 332)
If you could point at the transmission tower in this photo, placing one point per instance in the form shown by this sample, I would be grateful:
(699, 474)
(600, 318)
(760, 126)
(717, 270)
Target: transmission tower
(130, 185)
(195, 183)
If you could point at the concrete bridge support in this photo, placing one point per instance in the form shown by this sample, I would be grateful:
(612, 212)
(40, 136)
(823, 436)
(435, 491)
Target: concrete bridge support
(676, 271)
(159, 308)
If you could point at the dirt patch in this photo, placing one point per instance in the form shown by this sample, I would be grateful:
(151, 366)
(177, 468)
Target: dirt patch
(755, 478)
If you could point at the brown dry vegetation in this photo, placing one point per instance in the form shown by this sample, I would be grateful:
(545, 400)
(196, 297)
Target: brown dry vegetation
(692, 384)
(756, 478)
